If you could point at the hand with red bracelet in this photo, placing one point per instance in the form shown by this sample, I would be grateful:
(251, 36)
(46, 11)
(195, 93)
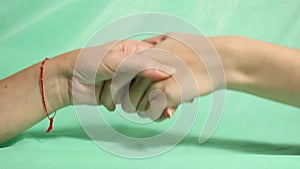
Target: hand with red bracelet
(77, 77)
(95, 67)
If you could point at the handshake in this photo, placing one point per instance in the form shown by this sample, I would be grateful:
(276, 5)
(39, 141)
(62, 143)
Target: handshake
(150, 77)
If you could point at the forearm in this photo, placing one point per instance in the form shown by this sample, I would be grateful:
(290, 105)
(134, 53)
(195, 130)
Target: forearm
(261, 68)
(21, 99)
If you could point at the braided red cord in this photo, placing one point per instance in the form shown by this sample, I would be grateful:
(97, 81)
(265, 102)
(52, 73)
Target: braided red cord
(43, 96)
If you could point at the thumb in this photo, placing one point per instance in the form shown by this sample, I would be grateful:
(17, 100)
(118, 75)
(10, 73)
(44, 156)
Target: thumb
(158, 73)
(147, 65)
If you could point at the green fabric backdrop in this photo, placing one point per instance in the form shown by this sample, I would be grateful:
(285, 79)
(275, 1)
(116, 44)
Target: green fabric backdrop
(253, 133)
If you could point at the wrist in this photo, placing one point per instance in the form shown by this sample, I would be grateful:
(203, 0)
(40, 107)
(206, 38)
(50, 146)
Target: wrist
(231, 53)
(58, 73)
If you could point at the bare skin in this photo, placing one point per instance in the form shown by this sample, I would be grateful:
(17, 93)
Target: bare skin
(21, 100)
(251, 66)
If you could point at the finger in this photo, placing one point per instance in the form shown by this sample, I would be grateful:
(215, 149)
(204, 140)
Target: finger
(144, 104)
(155, 74)
(171, 96)
(152, 104)
(157, 105)
(136, 92)
(98, 91)
(106, 97)
(155, 40)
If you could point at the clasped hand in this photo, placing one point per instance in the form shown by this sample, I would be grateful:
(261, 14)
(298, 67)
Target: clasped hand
(150, 77)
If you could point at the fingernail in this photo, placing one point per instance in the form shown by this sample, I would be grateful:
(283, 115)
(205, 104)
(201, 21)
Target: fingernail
(172, 71)
(169, 114)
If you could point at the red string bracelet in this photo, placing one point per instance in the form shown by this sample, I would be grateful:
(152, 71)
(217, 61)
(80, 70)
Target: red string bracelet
(43, 96)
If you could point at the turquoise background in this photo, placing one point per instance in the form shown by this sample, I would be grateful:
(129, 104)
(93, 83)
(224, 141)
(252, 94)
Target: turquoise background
(253, 133)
